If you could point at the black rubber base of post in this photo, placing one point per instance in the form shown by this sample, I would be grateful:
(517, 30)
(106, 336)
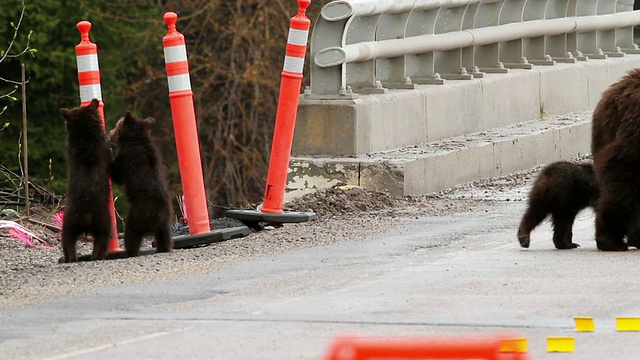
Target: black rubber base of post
(281, 218)
(189, 241)
(182, 242)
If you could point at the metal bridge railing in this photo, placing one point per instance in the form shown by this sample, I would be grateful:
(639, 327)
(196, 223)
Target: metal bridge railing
(368, 46)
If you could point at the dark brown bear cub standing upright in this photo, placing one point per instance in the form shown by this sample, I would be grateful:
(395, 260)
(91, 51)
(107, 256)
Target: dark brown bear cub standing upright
(562, 189)
(87, 201)
(138, 166)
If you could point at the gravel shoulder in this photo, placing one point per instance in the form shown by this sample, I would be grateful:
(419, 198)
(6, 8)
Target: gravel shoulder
(33, 275)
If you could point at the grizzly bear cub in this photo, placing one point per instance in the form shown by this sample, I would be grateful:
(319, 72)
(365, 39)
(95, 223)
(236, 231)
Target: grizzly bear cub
(87, 201)
(138, 167)
(562, 189)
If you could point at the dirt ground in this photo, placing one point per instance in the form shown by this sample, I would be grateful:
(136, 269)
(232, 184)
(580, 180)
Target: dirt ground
(32, 274)
(338, 201)
(15, 255)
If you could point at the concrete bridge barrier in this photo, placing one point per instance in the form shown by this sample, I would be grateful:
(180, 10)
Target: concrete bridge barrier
(414, 96)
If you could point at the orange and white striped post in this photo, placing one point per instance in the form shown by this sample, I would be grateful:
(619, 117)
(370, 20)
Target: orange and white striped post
(185, 127)
(89, 82)
(287, 110)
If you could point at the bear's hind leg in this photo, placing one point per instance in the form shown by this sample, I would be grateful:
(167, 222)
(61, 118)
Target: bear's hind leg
(100, 244)
(138, 225)
(534, 215)
(563, 230)
(609, 236)
(69, 245)
(163, 239)
(132, 241)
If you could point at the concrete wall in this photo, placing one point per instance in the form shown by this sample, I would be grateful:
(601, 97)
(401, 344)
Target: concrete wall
(435, 166)
(373, 123)
(494, 158)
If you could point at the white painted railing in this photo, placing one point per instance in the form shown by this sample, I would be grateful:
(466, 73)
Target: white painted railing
(368, 46)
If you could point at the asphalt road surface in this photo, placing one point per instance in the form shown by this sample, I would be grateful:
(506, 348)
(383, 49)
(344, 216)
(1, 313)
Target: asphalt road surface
(457, 275)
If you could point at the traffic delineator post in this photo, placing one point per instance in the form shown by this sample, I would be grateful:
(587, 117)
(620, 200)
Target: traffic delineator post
(90, 88)
(584, 323)
(185, 127)
(291, 82)
(188, 144)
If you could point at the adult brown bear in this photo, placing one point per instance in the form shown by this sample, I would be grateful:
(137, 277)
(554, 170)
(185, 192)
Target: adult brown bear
(87, 202)
(562, 190)
(138, 166)
(619, 103)
(615, 145)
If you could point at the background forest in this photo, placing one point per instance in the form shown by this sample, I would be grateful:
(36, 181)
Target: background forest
(235, 49)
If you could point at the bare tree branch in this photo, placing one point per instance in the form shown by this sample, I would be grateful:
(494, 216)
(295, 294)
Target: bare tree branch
(6, 54)
(16, 28)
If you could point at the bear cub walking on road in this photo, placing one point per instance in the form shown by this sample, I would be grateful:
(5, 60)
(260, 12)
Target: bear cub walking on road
(138, 166)
(562, 189)
(87, 201)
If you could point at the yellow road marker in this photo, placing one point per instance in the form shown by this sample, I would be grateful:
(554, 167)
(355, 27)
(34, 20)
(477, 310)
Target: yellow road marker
(627, 323)
(513, 345)
(584, 323)
(560, 344)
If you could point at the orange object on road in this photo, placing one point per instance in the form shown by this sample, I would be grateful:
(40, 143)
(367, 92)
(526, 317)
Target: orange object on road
(441, 348)
(185, 127)
(89, 83)
(287, 110)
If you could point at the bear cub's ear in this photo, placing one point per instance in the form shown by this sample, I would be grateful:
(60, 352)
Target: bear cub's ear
(66, 113)
(94, 104)
(128, 117)
(149, 122)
